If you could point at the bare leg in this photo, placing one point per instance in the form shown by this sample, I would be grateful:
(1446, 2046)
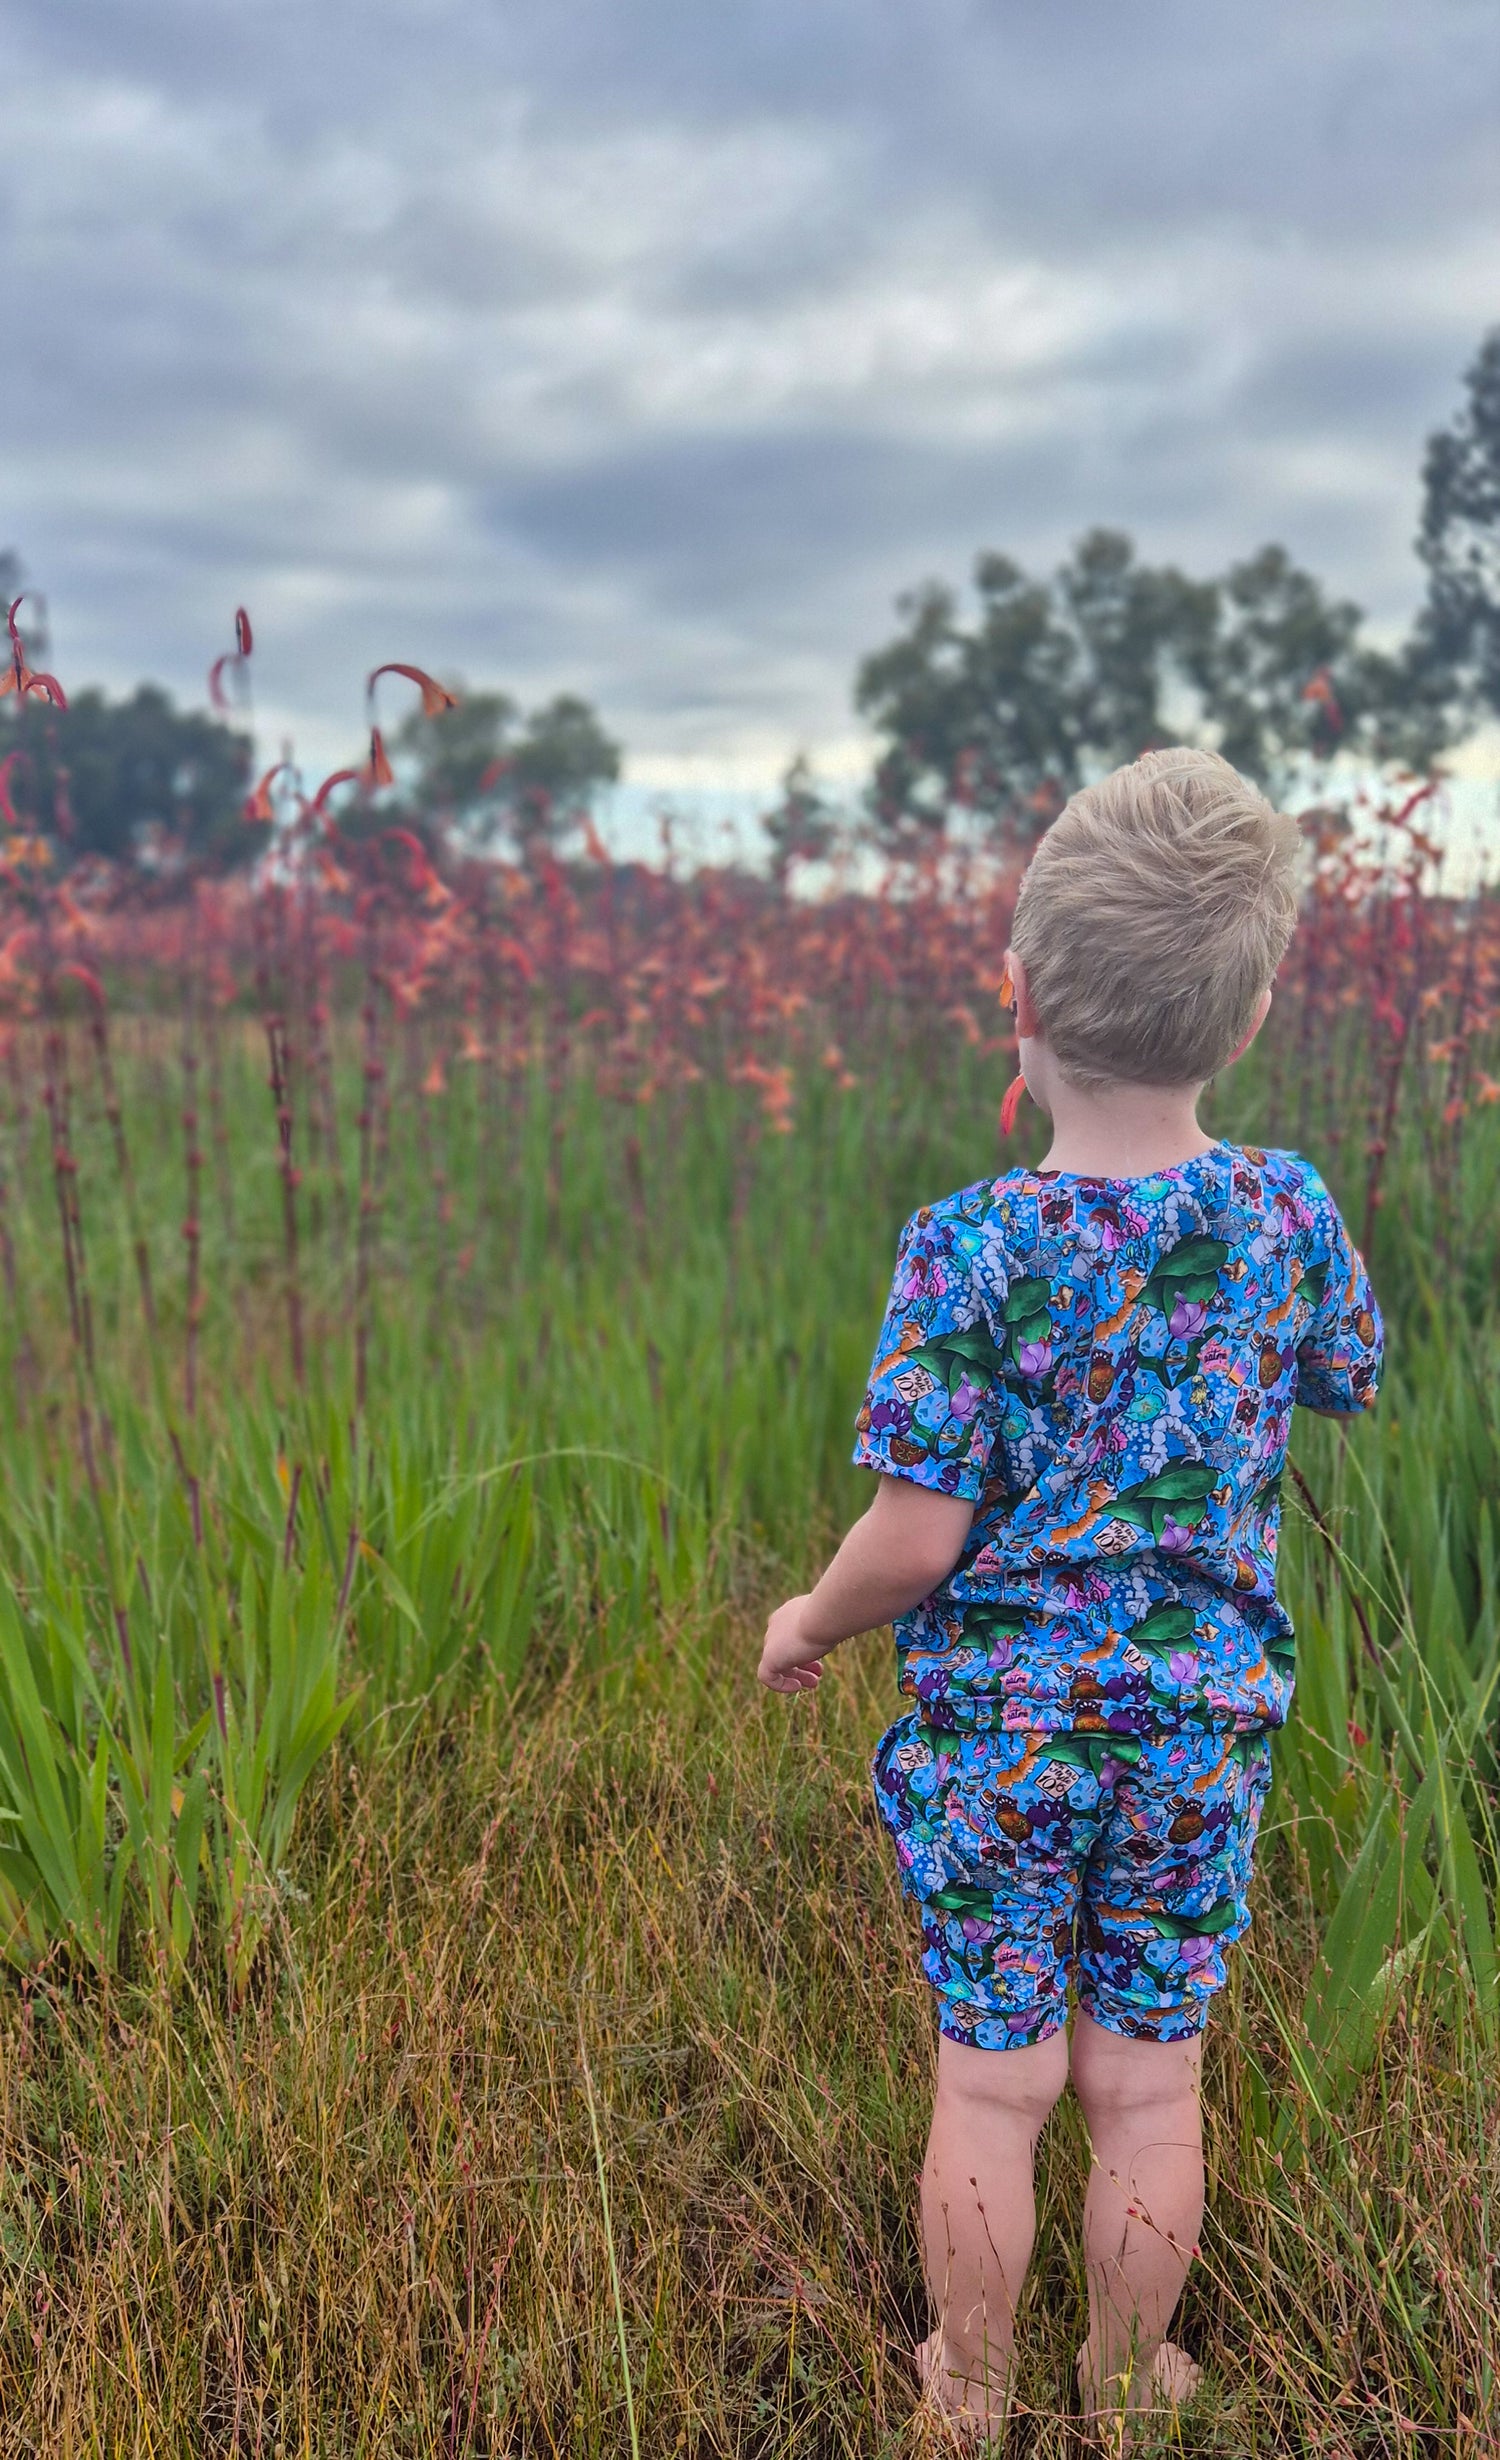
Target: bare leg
(1141, 2102)
(979, 2212)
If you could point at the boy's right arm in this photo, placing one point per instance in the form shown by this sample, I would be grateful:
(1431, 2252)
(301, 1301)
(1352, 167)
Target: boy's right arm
(893, 1557)
(929, 1433)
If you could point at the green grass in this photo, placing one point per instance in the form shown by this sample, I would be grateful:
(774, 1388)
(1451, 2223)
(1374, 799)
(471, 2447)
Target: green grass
(360, 2211)
(409, 1815)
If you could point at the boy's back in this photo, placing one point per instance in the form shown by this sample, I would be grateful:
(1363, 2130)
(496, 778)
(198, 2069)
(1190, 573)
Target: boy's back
(1107, 1368)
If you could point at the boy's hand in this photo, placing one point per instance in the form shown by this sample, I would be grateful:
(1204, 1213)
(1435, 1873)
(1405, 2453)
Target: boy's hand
(788, 1660)
(907, 1542)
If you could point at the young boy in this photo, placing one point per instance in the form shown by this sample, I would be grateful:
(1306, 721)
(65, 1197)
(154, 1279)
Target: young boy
(1079, 1406)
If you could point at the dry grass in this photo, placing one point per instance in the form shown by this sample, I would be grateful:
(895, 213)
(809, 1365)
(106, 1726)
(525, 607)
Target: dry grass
(361, 2214)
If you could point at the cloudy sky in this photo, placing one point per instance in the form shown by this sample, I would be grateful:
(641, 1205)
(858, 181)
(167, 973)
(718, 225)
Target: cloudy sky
(648, 348)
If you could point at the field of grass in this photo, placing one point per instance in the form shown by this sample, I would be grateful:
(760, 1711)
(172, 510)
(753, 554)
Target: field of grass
(450, 2009)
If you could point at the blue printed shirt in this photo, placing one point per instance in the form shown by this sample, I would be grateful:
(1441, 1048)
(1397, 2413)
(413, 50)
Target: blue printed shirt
(1106, 1369)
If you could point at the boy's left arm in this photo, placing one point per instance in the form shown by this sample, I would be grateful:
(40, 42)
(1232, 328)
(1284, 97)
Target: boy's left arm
(1342, 1349)
(895, 1555)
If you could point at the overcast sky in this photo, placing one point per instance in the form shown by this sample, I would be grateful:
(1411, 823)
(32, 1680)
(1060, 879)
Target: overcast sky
(649, 347)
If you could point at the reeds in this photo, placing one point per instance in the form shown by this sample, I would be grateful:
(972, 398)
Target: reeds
(383, 1803)
(360, 2212)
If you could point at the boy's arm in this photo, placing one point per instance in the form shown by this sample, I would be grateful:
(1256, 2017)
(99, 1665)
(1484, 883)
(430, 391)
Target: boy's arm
(1342, 1348)
(907, 1542)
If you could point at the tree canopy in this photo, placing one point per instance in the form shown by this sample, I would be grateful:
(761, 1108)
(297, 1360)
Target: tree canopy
(801, 825)
(1457, 639)
(1002, 716)
(138, 780)
(1000, 713)
(487, 773)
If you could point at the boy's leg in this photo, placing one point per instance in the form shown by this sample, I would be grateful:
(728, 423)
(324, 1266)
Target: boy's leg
(1164, 1899)
(1141, 2103)
(979, 2210)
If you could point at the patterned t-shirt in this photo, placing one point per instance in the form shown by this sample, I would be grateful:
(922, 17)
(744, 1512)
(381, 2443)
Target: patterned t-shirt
(1106, 1368)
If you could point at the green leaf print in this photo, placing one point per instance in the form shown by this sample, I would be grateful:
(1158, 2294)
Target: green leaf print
(1026, 1315)
(1090, 1751)
(1314, 1283)
(987, 1623)
(957, 1355)
(1178, 1493)
(1029, 1296)
(1168, 1626)
(1194, 1925)
(1189, 1270)
(959, 1899)
(1168, 1375)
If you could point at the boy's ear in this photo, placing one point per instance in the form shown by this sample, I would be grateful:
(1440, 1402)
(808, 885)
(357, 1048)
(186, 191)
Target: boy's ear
(1028, 1023)
(1262, 1011)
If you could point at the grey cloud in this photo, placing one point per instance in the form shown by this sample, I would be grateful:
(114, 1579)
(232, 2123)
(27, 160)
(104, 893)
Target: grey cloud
(775, 523)
(652, 348)
(1355, 385)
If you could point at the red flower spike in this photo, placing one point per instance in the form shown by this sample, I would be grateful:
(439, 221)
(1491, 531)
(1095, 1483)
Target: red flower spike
(379, 771)
(18, 677)
(436, 698)
(244, 642)
(1011, 1105)
(422, 874)
(1319, 688)
(216, 691)
(8, 811)
(47, 686)
(258, 806)
(89, 980)
(339, 777)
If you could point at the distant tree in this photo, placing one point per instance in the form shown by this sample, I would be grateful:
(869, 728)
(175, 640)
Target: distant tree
(1281, 672)
(1290, 678)
(984, 719)
(138, 780)
(1139, 631)
(1455, 651)
(801, 827)
(1001, 720)
(484, 772)
(1056, 681)
(456, 757)
(557, 768)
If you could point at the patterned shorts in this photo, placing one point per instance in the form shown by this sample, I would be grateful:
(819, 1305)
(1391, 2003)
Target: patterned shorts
(1117, 1861)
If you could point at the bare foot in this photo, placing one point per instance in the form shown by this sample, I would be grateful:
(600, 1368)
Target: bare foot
(964, 2406)
(1175, 2378)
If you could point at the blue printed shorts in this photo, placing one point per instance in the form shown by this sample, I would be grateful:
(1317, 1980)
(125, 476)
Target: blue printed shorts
(1118, 1861)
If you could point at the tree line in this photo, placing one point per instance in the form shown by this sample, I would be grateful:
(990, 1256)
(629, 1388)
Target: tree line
(986, 715)
(995, 716)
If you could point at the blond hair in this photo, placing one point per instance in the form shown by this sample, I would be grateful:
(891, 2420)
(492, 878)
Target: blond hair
(1151, 918)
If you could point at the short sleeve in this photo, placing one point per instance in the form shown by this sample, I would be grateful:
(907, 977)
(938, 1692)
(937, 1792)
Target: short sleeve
(1342, 1349)
(932, 1409)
